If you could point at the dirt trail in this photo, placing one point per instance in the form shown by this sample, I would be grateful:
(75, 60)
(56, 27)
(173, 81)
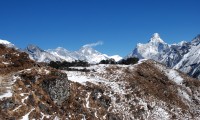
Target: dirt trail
(5, 83)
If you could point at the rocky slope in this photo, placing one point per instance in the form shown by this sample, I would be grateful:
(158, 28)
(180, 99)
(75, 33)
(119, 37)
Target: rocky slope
(183, 56)
(190, 61)
(147, 90)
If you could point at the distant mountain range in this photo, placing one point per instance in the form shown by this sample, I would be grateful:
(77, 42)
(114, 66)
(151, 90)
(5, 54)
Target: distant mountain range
(184, 56)
(146, 90)
(86, 53)
(39, 55)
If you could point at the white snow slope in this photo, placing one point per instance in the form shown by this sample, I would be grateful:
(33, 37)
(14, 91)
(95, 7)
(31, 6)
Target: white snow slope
(6, 43)
(150, 50)
(86, 53)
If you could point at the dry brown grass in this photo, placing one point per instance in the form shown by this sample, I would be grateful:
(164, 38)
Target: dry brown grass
(18, 60)
(152, 82)
(145, 81)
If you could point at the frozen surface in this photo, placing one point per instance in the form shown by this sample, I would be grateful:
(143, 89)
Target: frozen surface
(25, 117)
(172, 74)
(7, 94)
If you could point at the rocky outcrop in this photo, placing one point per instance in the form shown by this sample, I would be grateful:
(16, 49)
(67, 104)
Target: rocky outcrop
(57, 88)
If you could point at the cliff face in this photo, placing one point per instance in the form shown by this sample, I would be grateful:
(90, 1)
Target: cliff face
(147, 90)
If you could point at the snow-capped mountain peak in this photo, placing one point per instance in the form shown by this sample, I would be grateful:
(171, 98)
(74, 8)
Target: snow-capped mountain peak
(150, 50)
(33, 48)
(196, 40)
(62, 53)
(183, 56)
(39, 55)
(156, 38)
(6, 43)
(91, 55)
(88, 50)
(116, 57)
(85, 53)
(60, 50)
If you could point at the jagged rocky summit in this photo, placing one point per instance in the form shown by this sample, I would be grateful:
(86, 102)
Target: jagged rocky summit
(183, 56)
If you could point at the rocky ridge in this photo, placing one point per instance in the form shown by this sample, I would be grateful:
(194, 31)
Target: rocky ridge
(183, 56)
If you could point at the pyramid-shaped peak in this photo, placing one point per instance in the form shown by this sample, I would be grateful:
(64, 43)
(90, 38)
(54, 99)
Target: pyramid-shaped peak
(33, 48)
(156, 38)
(156, 35)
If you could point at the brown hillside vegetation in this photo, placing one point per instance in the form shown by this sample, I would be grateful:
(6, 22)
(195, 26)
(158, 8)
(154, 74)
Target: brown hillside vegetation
(12, 60)
(147, 90)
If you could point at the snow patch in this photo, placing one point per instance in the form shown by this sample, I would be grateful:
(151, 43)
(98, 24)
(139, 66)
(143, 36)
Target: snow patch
(24, 99)
(56, 118)
(7, 94)
(184, 94)
(43, 115)
(83, 117)
(96, 114)
(172, 74)
(25, 117)
(160, 114)
(15, 78)
(47, 71)
(6, 63)
(87, 100)
(17, 108)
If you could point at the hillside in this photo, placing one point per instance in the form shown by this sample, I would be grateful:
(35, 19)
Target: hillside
(147, 90)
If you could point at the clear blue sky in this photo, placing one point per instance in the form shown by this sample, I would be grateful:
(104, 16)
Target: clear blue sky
(119, 24)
